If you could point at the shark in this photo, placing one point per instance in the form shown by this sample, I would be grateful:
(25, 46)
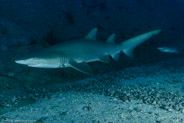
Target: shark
(78, 53)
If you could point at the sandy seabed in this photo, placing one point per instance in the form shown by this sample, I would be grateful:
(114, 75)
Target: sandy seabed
(146, 94)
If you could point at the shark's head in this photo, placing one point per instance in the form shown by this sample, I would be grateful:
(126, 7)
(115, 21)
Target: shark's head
(40, 63)
(50, 61)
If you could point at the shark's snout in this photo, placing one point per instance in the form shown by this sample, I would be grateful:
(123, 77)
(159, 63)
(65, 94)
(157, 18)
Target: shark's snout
(25, 61)
(20, 62)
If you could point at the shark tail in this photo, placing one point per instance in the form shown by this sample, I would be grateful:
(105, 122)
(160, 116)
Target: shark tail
(129, 45)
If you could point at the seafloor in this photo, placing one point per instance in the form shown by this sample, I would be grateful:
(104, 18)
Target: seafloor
(151, 93)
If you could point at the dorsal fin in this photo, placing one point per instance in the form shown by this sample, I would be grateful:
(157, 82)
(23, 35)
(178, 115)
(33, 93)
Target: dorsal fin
(92, 34)
(111, 38)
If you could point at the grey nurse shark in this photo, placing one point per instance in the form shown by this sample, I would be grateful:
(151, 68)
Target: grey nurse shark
(77, 53)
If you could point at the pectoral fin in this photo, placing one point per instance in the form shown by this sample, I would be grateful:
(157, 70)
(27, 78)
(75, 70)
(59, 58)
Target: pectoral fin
(82, 67)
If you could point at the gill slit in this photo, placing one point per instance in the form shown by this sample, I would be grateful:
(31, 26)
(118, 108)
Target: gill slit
(60, 62)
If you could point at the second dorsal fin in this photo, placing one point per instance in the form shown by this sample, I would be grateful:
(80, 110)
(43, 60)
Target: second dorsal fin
(111, 38)
(92, 34)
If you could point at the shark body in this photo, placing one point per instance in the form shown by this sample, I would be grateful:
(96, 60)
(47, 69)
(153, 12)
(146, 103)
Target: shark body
(77, 53)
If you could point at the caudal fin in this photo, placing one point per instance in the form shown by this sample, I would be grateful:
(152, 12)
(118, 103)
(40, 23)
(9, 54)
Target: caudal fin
(129, 45)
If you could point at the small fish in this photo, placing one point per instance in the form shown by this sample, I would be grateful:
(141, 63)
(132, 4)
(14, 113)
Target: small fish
(168, 50)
